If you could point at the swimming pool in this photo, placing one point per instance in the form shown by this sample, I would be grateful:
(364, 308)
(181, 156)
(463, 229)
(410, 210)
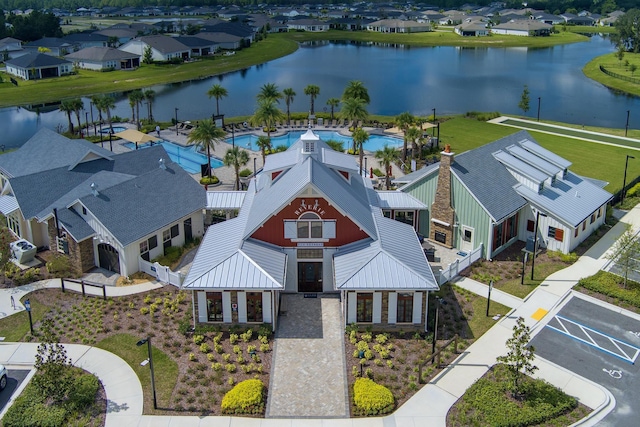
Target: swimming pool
(375, 142)
(187, 157)
(116, 129)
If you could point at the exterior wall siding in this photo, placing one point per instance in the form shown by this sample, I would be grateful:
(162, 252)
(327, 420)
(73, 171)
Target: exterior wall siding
(384, 316)
(471, 214)
(425, 191)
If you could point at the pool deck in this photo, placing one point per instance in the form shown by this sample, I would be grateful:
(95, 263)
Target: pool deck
(226, 174)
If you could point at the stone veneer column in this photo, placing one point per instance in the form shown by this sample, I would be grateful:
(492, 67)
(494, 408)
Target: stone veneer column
(442, 214)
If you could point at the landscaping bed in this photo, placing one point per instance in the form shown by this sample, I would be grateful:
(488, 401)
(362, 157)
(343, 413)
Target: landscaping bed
(199, 367)
(393, 358)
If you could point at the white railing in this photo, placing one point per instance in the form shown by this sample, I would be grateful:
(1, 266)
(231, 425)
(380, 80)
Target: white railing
(160, 272)
(458, 265)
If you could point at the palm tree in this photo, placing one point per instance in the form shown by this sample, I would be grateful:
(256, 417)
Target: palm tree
(264, 144)
(354, 109)
(137, 97)
(206, 135)
(312, 91)
(107, 104)
(217, 92)
(387, 156)
(237, 158)
(356, 89)
(360, 136)
(403, 121)
(97, 102)
(132, 104)
(269, 91)
(333, 103)
(413, 134)
(77, 105)
(66, 107)
(267, 114)
(289, 94)
(150, 95)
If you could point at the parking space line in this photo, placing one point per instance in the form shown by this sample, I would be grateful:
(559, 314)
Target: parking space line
(629, 354)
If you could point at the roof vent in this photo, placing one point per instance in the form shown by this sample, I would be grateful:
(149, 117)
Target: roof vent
(94, 189)
(161, 163)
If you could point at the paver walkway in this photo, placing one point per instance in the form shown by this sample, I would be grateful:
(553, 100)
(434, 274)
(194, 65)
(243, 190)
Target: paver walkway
(308, 377)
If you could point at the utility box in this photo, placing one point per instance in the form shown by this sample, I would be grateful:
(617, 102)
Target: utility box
(530, 246)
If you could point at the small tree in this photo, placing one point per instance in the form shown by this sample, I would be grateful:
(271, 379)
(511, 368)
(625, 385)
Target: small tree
(524, 100)
(625, 253)
(147, 55)
(54, 377)
(519, 357)
(620, 54)
(633, 68)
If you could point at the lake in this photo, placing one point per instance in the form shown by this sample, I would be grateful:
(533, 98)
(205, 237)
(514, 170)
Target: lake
(452, 80)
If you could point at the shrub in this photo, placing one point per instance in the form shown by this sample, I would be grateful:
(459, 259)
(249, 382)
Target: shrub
(610, 285)
(247, 397)
(206, 180)
(60, 266)
(371, 398)
(233, 338)
(84, 391)
(230, 367)
(245, 172)
(198, 339)
(204, 347)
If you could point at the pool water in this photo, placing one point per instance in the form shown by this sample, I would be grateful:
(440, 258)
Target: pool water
(187, 157)
(375, 142)
(116, 129)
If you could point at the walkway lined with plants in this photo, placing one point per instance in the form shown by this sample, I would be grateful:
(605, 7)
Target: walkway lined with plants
(308, 375)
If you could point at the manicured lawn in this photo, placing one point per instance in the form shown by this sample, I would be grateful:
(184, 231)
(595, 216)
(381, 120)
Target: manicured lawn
(15, 327)
(611, 63)
(165, 369)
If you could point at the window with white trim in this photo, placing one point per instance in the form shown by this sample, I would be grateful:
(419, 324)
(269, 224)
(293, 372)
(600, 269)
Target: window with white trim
(309, 226)
(14, 224)
(166, 235)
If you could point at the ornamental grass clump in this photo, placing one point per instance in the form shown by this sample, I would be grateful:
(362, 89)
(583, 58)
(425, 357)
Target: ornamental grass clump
(247, 397)
(371, 398)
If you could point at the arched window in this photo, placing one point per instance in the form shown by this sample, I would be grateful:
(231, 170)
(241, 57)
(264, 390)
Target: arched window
(309, 226)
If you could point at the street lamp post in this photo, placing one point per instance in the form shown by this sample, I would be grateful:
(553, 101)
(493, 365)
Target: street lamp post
(94, 123)
(233, 136)
(176, 121)
(438, 301)
(538, 108)
(489, 296)
(153, 382)
(535, 241)
(86, 120)
(626, 126)
(624, 181)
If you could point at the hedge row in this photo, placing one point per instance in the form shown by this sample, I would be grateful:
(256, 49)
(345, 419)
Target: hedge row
(611, 285)
(371, 398)
(247, 397)
(488, 402)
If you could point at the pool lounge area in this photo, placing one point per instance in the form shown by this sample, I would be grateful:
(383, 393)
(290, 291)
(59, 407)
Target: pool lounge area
(375, 142)
(187, 157)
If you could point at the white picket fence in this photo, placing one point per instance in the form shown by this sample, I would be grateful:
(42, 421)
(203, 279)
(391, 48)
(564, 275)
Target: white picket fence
(458, 265)
(160, 272)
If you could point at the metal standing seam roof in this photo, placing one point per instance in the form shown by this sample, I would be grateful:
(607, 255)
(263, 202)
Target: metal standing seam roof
(412, 177)
(225, 200)
(540, 151)
(570, 200)
(339, 160)
(398, 200)
(8, 204)
(520, 167)
(534, 160)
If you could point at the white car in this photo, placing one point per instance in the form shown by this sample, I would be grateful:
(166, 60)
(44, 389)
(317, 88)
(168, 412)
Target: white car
(3, 377)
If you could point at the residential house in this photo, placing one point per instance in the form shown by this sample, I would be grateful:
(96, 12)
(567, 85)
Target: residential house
(223, 40)
(310, 223)
(122, 35)
(496, 194)
(472, 29)
(104, 58)
(198, 45)
(398, 26)
(83, 40)
(163, 48)
(609, 20)
(99, 208)
(50, 45)
(523, 27)
(307, 24)
(11, 48)
(35, 65)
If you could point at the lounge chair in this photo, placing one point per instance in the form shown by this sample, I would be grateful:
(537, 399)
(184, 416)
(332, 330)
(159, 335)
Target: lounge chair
(305, 123)
(297, 124)
(334, 123)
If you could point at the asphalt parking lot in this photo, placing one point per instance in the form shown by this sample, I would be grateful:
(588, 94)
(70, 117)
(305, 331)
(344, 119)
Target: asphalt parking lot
(601, 345)
(15, 377)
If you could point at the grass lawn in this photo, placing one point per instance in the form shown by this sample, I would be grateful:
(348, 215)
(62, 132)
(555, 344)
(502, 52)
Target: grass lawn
(15, 327)
(611, 63)
(165, 369)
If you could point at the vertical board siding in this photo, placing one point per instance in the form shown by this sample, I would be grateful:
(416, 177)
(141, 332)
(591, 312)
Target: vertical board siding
(377, 307)
(351, 307)
(417, 307)
(470, 213)
(393, 308)
(425, 191)
(266, 307)
(226, 307)
(202, 306)
(242, 307)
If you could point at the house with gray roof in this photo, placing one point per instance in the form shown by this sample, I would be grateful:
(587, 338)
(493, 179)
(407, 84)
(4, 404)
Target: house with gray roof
(11, 48)
(104, 58)
(87, 39)
(398, 26)
(163, 48)
(506, 191)
(53, 46)
(99, 208)
(310, 223)
(36, 65)
(523, 27)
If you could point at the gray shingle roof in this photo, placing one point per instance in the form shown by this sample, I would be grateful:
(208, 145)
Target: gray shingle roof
(73, 223)
(47, 150)
(97, 53)
(164, 44)
(36, 60)
(489, 181)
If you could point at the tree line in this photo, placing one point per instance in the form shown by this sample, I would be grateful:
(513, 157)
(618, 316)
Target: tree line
(30, 27)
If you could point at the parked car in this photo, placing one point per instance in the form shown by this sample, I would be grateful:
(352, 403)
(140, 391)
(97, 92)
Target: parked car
(3, 377)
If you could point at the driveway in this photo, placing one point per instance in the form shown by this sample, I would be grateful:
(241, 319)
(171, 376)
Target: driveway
(597, 342)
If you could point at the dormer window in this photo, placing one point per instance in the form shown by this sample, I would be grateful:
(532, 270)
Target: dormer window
(541, 187)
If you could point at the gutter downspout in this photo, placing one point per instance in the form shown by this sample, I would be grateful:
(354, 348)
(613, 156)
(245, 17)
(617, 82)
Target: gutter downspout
(426, 311)
(55, 216)
(193, 307)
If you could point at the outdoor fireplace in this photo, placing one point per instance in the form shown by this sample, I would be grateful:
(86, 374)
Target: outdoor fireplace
(440, 237)
(442, 213)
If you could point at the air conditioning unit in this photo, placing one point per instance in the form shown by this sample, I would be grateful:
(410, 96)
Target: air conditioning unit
(22, 251)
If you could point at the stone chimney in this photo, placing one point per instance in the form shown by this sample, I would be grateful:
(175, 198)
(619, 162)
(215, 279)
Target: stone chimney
(442, 214)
